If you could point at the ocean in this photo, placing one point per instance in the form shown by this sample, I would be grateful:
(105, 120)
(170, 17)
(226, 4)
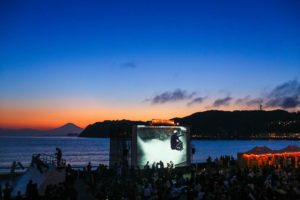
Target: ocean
(79, 151)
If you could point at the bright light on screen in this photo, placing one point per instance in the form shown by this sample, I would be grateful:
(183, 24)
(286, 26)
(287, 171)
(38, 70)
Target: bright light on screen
(161, 143)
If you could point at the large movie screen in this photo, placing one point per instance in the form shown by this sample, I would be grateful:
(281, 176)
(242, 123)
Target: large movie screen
(166, 144)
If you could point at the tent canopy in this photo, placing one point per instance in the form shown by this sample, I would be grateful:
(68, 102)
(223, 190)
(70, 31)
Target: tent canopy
(265, 150)
(260, 150)
(290, 149)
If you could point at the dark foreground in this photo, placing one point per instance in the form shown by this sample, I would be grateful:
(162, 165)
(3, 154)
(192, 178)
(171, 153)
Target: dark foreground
(218, 180)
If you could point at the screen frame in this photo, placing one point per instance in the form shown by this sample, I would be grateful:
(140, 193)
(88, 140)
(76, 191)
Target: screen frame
(134, 159)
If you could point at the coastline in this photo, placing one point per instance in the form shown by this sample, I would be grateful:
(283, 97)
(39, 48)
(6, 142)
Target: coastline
(223, 138)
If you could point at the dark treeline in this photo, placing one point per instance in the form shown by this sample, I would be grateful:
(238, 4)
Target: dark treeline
(242, 123)
(110, 128)
(215, 124)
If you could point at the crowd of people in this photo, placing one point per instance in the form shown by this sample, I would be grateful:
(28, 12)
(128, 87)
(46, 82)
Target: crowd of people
(64, 190)
(218, 179)
(61, 191)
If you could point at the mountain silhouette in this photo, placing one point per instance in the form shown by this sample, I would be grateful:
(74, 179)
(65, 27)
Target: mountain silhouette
(65, 130)
(214, 124)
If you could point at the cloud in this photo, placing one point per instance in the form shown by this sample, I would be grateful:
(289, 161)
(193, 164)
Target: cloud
(171, 96)
(128, 65)
(286, 95)
(222, 101)
(242, 101)
(254, 102)
(248, 101)
(197, 100)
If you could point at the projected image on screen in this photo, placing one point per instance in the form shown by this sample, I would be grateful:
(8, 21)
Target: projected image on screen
(161, 143)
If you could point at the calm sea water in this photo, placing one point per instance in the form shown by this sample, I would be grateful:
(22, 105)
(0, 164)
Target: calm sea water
(79, 151)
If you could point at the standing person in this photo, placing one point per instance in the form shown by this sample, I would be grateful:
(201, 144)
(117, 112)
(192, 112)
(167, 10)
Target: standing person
(15, 165)
(58, 156)
(32, 191)
(0, 191)
(89, 167)
(7, 192)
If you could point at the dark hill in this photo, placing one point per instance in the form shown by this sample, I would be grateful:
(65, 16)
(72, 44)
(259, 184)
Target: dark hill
(214, 124)
(241, 123)
(109, 128)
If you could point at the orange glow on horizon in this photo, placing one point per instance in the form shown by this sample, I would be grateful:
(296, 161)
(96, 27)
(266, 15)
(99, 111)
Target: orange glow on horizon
(52, 114)
(42, 117)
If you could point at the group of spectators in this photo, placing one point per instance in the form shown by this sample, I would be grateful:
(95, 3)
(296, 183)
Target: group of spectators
(61, 191)
(52, 192)
(218, 179)
(160, 164)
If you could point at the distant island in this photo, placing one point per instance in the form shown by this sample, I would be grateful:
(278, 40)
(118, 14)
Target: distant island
(68, 129)
(214, 124)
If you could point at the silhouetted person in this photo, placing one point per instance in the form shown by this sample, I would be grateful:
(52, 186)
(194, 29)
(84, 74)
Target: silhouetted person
(32, 191)
(171, 164)
(73, 194)
(161, 164)
(58, 156)
(154, 165)
(0, 191)
(147, 165)
(35, 192)
(19, 196)
(15, 165)
(209, 160)
(29, 189)
(7, 192)
(89, 167)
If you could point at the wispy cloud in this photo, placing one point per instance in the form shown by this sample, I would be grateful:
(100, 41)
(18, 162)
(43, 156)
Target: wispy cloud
(254, 102)
(286, 95)
(171, 96)
(222, 101)
(248, 101)
(197, 100)
(128, 65)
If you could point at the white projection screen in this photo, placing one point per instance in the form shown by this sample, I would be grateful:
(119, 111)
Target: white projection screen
(161, 143)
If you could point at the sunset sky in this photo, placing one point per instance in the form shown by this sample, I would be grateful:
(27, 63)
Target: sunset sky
(88, 61)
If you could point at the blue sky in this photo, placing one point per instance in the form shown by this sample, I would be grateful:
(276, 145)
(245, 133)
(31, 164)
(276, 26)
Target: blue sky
(120, 55)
